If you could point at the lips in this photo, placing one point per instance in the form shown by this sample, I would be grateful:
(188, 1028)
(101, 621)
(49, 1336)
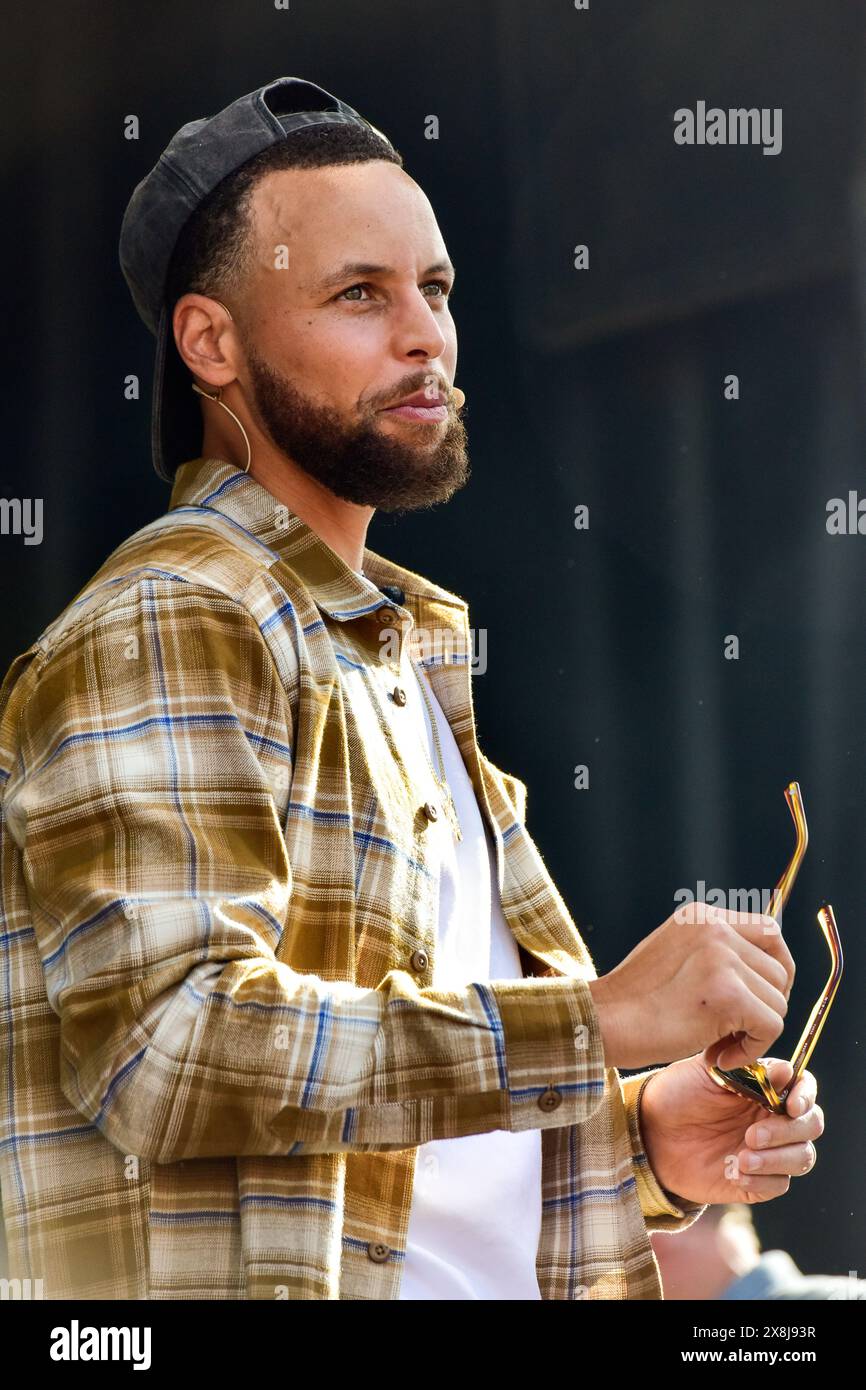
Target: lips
(420, 399)
(427, 414)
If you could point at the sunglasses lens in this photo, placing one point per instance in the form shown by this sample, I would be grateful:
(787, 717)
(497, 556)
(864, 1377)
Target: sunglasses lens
(753, 1084)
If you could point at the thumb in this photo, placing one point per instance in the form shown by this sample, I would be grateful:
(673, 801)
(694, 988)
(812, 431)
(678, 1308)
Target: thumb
(780, 1072)
(728, 1052)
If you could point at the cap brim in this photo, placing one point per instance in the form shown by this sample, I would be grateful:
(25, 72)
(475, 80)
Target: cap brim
(175, 417)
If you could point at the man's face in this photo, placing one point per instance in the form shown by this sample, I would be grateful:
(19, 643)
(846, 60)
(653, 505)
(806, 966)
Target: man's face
(346, 314)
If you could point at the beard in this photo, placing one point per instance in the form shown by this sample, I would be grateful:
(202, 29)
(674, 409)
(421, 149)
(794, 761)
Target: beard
(358, 462)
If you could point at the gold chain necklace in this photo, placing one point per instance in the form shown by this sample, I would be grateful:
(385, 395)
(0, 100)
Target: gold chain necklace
(439, 777)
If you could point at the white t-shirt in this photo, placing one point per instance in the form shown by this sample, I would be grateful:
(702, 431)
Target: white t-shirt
(475, 1219)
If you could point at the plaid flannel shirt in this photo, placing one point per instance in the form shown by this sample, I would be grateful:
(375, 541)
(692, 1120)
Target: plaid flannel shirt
(219, 1041)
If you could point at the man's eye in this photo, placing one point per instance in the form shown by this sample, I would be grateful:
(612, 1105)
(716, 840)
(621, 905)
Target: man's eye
(447, 291)
(360, 286)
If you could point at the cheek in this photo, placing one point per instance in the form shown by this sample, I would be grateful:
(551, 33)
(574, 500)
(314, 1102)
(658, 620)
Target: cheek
(347, 360)
(334, 366)
(315, 353)
(343, 342)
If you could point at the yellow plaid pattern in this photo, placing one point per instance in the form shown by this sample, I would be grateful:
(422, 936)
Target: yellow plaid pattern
(219, 1041)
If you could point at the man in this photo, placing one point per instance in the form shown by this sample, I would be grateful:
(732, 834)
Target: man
(294, 1008)
(720, 1257)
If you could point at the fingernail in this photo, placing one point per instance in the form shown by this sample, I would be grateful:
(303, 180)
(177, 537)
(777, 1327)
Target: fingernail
(801, 1105)
(762, 1136)
(751, 1163)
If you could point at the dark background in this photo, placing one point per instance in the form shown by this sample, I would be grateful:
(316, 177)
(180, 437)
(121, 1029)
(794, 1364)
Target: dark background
(707, 517)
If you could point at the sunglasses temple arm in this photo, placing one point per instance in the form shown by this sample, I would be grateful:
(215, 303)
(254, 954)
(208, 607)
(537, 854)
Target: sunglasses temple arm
(782, 891)
(818, 1016)
(778, 903)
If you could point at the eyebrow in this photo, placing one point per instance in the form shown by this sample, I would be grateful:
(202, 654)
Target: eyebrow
(353, 269)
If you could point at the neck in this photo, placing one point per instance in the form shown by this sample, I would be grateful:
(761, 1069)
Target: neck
(341, 525)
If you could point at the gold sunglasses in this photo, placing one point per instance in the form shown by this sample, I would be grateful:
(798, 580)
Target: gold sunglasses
(752, 1080)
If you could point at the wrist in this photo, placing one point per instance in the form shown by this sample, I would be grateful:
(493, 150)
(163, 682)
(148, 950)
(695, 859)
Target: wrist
(648, 1129)
(606, 1023)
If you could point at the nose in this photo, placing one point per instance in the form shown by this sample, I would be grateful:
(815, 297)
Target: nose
(417, 330)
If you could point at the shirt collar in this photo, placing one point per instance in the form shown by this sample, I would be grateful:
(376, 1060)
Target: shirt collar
(334, 585)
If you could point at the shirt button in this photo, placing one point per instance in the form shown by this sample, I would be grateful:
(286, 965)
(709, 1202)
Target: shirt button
(378, 1252)
(420, 960)
(394, 593)
(551, 1099)
(399, 695)
(430, 810)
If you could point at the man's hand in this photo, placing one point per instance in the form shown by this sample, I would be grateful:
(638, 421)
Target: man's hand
(699, 1138)
(705, 974)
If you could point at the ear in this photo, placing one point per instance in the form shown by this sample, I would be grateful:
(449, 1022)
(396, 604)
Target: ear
(205, 338)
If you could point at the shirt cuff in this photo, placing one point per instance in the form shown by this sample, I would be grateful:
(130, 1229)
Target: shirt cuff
(662, 1210)
(553, 1057)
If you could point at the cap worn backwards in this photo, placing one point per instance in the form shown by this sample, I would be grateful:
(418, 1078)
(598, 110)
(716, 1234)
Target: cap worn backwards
(197, 158)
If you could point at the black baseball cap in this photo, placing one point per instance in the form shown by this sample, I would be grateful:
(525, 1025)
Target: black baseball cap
(197, 158)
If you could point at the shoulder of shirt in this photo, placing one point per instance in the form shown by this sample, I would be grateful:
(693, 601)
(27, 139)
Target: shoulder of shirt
(156, 558)
(206, 555)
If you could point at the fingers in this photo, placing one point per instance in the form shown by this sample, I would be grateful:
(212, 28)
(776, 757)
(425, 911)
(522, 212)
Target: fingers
(767, 993)
(763, 964)
(713, 1051)
(776, 1131)
(802, 1096)
(779, 1148)
(760, 1189)
(764, 933)
(752, 1023)
(786, 1161)
(782, 1146)
(779, 1071)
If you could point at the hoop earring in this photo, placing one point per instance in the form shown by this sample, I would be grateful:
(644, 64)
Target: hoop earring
(209, 397)
(219, 401)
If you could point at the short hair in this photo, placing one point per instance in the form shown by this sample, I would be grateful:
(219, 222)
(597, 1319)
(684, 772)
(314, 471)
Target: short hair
(732, 1213)
(214, 252)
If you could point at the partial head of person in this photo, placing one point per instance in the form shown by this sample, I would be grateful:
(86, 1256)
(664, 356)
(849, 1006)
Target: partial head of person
(294, 274)
(700, 1263)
